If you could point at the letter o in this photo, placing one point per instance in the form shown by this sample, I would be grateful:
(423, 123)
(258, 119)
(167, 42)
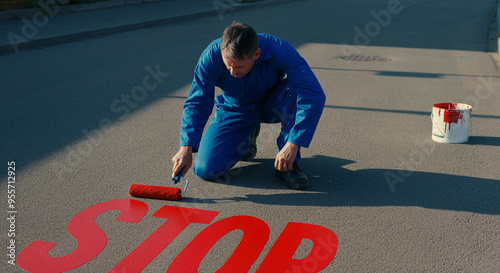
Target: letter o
(255, 235)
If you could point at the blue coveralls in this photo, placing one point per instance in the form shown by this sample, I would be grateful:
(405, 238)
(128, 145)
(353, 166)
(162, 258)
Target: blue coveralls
(280, 87)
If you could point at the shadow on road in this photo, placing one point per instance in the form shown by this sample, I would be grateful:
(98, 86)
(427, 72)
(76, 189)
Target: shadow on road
(406, 74)
(334, 186)
(406, 112)
(484, 140)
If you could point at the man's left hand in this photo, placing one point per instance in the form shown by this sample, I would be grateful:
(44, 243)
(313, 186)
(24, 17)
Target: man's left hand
(286, 157)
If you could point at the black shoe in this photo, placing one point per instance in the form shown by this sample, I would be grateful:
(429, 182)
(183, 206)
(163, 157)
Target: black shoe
(252, 151)
(295, 179)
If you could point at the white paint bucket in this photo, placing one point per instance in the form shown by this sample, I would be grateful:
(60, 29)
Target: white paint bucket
(451, 122)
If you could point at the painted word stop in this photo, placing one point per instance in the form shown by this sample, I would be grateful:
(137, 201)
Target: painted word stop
(92, 240)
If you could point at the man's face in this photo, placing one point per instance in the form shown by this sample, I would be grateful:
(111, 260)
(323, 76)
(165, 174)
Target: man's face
(240, 68)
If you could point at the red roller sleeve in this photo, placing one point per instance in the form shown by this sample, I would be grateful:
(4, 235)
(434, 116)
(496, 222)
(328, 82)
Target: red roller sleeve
(156, 192)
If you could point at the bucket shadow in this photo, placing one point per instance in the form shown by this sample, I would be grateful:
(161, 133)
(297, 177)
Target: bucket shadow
(484, 140)
(331, 185)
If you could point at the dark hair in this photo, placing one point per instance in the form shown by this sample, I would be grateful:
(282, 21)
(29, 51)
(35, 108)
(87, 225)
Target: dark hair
(238, 40)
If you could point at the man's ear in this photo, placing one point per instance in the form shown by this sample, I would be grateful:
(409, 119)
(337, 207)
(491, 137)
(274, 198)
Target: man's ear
(256, 55)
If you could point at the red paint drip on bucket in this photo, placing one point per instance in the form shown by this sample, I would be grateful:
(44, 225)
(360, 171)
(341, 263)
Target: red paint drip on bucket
(449, 113)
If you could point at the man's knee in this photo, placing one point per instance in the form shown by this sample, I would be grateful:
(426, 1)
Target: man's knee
(202, 170)
(213, 172)
(208, 170)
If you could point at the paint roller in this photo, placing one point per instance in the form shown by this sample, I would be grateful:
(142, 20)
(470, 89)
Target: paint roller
(160, 192)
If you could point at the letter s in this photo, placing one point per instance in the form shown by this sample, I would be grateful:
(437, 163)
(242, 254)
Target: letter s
(91, 239)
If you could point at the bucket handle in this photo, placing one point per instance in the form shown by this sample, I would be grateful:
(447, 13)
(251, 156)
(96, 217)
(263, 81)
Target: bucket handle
(444, 135)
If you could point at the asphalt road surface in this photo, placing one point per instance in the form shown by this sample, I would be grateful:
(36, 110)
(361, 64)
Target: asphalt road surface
(83, 121)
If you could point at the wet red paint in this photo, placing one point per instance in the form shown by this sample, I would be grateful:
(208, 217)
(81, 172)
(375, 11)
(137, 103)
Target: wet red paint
(92, 240)
(280, 256)
(255, 235)
(177, 220)
(155, 192)
(450, 114)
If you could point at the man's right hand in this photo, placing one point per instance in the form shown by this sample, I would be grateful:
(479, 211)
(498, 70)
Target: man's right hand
(183, 158)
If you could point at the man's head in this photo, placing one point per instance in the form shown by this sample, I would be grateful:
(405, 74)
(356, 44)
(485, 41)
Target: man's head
(240, 48)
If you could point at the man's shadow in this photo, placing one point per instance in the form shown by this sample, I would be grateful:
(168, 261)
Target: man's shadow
(331, 185)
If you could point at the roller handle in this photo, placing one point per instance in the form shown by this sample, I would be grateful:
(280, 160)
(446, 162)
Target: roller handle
(178, 176)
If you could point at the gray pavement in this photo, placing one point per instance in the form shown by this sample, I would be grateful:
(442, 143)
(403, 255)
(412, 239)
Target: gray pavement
(81, 131)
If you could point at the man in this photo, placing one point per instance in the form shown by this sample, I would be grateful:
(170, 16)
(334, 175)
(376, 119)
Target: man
(263, 79)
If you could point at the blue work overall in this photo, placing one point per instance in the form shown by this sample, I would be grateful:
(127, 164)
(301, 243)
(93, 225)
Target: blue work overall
(227, 138)
(280, 87)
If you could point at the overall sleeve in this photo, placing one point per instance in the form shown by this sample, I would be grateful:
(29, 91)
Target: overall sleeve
(310, 95)
(199, 104)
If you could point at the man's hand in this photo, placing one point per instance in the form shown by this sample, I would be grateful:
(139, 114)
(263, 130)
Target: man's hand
(183, 158)
(284, 159)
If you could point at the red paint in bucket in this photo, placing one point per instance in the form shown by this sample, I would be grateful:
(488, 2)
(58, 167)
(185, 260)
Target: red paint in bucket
(449, 113)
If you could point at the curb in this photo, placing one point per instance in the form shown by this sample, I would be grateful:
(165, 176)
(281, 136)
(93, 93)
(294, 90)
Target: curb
(64, 9)
(79, 36)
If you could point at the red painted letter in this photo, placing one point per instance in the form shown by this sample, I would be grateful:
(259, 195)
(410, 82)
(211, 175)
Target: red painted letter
(91, 239)
(178, 219)
(280, 256)
(255, 235)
